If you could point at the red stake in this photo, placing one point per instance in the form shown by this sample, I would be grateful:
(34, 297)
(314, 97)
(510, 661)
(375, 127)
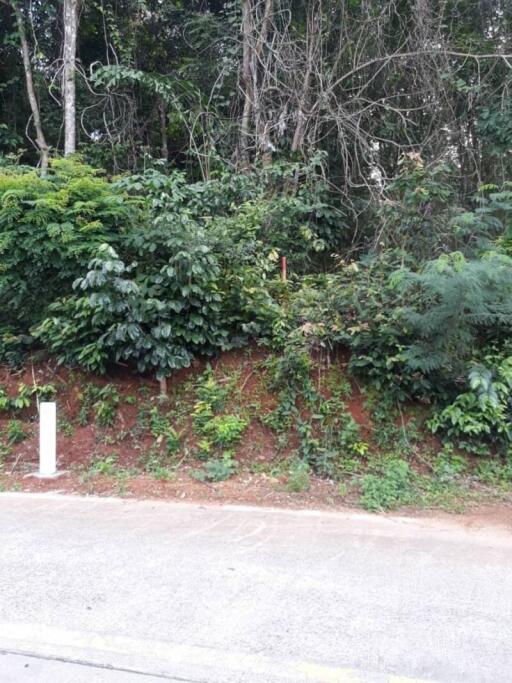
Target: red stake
(283, 268)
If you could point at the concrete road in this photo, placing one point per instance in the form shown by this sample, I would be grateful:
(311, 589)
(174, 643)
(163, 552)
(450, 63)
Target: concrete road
(111, 591)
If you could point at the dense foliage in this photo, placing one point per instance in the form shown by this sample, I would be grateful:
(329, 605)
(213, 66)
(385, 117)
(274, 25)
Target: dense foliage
(366, 143)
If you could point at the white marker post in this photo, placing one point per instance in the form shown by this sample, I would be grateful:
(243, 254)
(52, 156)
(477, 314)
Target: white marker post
(47, 440)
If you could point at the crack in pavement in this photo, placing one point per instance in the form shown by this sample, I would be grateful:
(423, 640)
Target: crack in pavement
(96, 665)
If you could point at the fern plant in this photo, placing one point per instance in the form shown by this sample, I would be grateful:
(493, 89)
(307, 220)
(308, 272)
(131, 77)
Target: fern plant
(458, 304)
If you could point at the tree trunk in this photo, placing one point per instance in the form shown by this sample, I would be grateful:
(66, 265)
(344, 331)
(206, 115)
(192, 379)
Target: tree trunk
(312, 41)
(163, 387)
(263, 146)
(68, 77)
(246, 81)
(163, 129)
(29, 82)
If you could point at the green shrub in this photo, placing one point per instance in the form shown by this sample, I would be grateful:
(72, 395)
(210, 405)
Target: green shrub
(483, 414)
(357, 307)
(459, 304)
(49, 230)
(156, 321)
(389, 489)
(255, 212)
(224, 430)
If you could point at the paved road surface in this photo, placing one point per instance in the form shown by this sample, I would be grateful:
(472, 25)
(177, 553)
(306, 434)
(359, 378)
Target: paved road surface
(98, 590)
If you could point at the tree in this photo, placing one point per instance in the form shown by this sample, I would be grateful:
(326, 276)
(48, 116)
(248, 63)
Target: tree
(41, 143)
(70, 16)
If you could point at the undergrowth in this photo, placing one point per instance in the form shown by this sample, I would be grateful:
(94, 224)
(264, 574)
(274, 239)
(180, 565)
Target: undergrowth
(301, 405)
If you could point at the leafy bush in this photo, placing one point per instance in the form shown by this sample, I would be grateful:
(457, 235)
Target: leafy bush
(423, 217)
(156, 321)
(224, 430)
(287, 207)
(484, 412)
(49, 230)
(357, 307)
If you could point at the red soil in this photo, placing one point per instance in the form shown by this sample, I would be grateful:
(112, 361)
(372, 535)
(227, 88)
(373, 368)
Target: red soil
(260, 479)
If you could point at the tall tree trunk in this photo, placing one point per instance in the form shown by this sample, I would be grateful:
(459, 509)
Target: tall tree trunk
(246, 80)
(255, 29)
(264, 148)
(312, 41)
(29, 82)
(163, 129)
(68, 77)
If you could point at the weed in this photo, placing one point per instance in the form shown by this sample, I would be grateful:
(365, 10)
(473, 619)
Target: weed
(448, 465)
(224, 430)
(338, 438)
(5, 452)
(141, 424)
(122, 476)
(390, 489)
(290, 374)
(163, 432)
(217, 469)
(163, 473)
(23, 399)
(65, 427)
(446, 493)
(273, 468)
(342, 489)
(103, 401)
(337, 382)
(495, 472)
(298, 479)
(106, 466)
(282, 441)
(15, 432)
(154, 464)
(210, 392)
